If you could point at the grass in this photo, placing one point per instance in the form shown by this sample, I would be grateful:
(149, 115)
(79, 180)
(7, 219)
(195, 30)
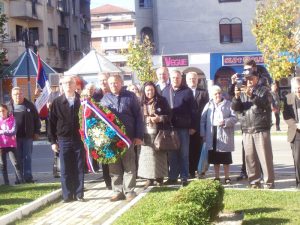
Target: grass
(259, 207)
(264, 207)
(13, 197)
(141, 212)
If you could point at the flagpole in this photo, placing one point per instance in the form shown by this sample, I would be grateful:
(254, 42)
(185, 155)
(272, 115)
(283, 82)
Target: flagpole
(25, 36)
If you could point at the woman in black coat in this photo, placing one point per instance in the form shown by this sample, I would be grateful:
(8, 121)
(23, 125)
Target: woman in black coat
(156, 113)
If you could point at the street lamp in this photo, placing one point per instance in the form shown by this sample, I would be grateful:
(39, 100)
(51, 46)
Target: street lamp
(25, 39)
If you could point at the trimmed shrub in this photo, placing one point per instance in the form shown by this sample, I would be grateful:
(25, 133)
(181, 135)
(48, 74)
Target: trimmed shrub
(206, 193)
(196, 204)
(181, 214)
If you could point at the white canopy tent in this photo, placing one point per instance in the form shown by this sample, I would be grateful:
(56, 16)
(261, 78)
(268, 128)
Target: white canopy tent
(91, 65)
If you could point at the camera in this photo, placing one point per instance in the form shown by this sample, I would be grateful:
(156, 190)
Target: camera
(240, 80)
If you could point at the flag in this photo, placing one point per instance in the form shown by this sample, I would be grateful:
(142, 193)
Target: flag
(42, 83)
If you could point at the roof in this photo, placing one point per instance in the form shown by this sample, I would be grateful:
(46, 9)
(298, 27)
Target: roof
(19, 67)
(109, 9)
(92, 64)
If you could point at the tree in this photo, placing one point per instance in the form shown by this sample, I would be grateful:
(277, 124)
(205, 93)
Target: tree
(3, 36)
(140, 59)
(277, 31)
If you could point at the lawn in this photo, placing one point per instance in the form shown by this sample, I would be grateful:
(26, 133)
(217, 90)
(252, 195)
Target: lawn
(12, 197)
(264, 207)
(259, 206)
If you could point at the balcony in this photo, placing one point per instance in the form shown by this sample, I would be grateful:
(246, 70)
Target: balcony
(25, 10)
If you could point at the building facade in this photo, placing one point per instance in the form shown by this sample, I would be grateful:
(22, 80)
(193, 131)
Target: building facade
(112, 28)
(199, 33)
(58, 29)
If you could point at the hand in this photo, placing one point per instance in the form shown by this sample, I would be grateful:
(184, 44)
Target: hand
(192, 131)
(233, 78)
(222, 123)
(137, 141)
(249, 91)
(237, 92)
(203, 138)
(35, 137)
(54, 148)
(155, 118)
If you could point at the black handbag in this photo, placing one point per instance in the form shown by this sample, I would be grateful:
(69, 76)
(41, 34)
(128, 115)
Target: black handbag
(167, 140)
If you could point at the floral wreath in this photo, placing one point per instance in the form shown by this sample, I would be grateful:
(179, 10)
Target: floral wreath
(103, 134)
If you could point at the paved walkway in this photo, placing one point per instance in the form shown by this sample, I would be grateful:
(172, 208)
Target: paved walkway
(97, 209)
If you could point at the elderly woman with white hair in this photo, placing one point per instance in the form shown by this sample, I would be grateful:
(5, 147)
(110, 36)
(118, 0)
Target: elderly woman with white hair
(217, 130)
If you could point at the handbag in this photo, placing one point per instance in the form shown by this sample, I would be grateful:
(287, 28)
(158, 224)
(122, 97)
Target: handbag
(167, 140)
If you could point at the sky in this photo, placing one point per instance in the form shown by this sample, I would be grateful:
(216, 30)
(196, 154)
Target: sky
(127, 4)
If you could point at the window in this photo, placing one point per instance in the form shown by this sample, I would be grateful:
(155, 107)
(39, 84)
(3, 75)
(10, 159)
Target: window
(50, 37)
(73, 6)
(230, 30)
(19, 33)
(1, 7)
(49, 3)
(75, 43)
(33, 35)
(229, 1)
(145, 3)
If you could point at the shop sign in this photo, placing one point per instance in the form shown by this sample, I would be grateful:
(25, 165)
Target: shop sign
(175, 60)
(238, 60)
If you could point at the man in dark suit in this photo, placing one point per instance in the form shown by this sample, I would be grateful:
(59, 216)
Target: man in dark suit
(291, 115)
(201, 98)
(64, 133)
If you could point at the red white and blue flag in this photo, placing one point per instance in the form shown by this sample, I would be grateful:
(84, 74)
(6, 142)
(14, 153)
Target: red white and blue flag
(42, 83)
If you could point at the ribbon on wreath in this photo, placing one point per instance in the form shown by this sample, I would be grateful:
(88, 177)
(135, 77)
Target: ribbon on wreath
(86, 104)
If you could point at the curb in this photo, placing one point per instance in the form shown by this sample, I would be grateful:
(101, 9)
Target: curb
(19, 213)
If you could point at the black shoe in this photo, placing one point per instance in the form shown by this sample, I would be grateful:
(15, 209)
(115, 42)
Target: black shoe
(68, 200)
(184, 183)
(79, 199)
(227, 181)
(217, 179)
(170, 182)
(29, 181)
(242, 176)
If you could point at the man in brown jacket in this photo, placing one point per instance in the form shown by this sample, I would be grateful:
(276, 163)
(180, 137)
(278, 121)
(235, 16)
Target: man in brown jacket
(291, 115)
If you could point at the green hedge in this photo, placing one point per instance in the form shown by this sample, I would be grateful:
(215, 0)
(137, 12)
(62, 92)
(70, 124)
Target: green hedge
(196, 204)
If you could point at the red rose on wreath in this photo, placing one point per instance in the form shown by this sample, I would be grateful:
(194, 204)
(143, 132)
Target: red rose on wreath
(110, 116)
(121, 144)
(94, 154)
(87, 113)
(81, 133)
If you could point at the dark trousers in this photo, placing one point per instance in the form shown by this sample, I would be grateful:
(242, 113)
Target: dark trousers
(13, 159)
(243, 169)
(106, 176)
(71, 168)
(194, 152)
(277, 119)
(295, 145)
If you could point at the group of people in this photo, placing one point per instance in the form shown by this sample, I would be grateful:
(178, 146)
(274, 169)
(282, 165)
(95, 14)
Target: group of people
(197, 115)
(19, 127)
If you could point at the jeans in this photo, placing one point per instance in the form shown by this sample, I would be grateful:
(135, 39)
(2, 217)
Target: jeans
(71, 168)
(13, 159)
(24, 152)
(179, 160)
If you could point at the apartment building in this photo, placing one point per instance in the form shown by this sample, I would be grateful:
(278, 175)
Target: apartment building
(59, 29)
(212, 38)
(112, 28)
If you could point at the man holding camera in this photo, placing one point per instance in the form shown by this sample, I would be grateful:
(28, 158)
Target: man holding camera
(252, 104)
